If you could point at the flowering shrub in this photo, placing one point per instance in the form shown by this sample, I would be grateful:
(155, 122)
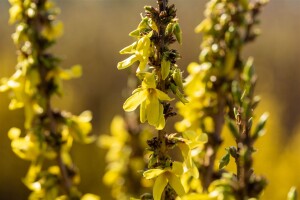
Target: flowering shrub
(145, 160)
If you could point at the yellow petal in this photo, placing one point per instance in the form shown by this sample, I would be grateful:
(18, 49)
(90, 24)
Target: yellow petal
(86, 116)
(153, 110)
(110, 177)
(127, 62)
(177, 168)
(14, 133)
(162, 121)
(135, 33)
(15, 13)
(137, 90)
(189, 134)
(152, 173)
(205, 25)
(134, 101)
(149, 81)
(89, 196)
(129, 49)
(229, 61)
(186, 153)
(117, 128)
(142, 65)
(74, 72)
(15, 104)
(195, 171)
(143, 116)
(143, 45)
(162, 96)
(159, 186)
(176, 184)
(53, 31)
(105, 141)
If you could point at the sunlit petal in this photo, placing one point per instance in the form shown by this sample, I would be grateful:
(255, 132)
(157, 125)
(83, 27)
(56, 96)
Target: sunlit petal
(159, 186)
(176, 184)
(152, 173)
(134, 101)
(127, 62)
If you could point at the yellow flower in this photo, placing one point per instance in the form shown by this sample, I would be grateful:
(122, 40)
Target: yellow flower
(165, 176)
(141, 51)
(148, 97)
(190, 145)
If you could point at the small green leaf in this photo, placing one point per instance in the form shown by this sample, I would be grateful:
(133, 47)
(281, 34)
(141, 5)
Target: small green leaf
(229, 61)
(244, 3)
(248, 71)
(224, 160)
(180, 96)
(178, 33)
(232, 127)
(250, 122)
(259, 130)
(235, 111)
(292, 195)
(236, 91)
(177, 77)
(256, 101)
(165, 68)
(169, 28)
(233, 151)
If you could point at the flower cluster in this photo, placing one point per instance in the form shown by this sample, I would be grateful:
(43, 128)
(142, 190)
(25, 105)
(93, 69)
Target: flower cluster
(156, 65)
(48, 132)
(125, 157)
(159, 75)
(228, 26)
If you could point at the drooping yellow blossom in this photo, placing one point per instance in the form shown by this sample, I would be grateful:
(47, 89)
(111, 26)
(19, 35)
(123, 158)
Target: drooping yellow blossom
(148, 97)
(191, 145)
(166, 176)
(141, 51)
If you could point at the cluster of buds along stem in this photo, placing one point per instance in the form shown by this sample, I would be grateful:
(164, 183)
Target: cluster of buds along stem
(159, 76)
(49, 133)
(212, 90)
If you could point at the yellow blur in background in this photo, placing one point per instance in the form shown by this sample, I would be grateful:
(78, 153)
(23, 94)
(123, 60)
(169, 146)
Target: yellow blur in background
(95, 31)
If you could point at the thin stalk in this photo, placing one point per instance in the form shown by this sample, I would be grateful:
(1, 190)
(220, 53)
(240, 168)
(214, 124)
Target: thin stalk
(213, 144)
(48, 118)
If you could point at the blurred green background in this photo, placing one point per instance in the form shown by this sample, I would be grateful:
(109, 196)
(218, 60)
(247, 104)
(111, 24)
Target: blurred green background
(95, 31)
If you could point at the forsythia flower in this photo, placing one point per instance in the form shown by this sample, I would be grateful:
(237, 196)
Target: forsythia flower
(141, 51)
(191, 145)
(165, 176)
(148, 97)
